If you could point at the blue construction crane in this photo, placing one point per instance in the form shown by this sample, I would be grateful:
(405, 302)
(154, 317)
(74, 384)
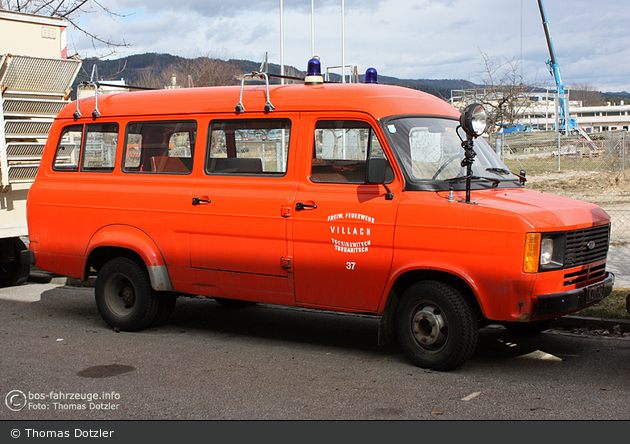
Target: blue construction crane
(565, 123)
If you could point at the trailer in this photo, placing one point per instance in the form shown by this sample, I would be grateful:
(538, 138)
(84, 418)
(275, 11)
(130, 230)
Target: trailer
(33, 90)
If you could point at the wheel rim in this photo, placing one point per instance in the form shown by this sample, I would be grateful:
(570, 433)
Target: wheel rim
(429, 327)
(120, 295)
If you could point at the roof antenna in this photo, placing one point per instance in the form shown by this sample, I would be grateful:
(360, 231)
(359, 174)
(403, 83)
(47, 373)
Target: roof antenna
(264, 66)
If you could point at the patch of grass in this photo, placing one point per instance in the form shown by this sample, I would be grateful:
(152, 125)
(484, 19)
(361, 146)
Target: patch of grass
(611, 307)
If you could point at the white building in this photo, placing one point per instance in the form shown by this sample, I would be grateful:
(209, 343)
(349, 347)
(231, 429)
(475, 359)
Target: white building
(539, 112)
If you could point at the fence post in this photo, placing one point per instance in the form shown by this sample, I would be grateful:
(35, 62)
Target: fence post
(623, 151)
(559, 153)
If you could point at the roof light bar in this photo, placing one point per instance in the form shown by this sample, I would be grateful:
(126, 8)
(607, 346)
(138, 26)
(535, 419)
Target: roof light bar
(371, 76)
(314, 72)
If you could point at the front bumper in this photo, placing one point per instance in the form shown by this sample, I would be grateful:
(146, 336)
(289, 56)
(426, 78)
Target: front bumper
(574, 300)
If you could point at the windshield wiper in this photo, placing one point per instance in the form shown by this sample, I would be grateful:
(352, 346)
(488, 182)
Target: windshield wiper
(521, 177)
(499, 170)
(495, 182)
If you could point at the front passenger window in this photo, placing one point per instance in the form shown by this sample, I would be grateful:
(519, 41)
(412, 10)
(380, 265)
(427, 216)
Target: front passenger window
(341, 151)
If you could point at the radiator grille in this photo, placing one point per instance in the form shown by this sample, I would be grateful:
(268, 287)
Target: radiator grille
(586, 246)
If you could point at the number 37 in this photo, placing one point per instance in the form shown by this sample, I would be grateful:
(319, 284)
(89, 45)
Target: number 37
(350, 265)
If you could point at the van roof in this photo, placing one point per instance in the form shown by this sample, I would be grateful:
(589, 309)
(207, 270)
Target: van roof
(377, 100)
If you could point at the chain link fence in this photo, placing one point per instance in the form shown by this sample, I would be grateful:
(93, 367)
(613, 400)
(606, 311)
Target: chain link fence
(594, 169)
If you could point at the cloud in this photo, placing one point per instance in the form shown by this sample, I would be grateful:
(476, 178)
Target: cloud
(401, 38)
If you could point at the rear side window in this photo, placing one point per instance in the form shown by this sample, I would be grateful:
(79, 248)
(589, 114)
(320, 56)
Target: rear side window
(160, 147)
(101, 141)
(246, 147)
(68, 152)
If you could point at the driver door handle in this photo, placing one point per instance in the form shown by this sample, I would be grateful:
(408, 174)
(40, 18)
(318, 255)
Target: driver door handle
(302, 206)
(197, 201)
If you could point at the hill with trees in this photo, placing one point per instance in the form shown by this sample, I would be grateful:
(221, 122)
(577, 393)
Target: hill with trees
(153, 70)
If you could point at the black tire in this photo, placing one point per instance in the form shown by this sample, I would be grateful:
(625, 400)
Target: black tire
(528, 328)
(124, 296)
(13, 272)
(234, 303)
(436, 326)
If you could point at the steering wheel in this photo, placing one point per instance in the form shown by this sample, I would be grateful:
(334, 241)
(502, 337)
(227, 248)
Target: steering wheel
(444, 165)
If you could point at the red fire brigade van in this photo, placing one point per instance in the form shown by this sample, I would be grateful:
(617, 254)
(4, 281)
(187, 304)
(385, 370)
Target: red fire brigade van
(361, 198)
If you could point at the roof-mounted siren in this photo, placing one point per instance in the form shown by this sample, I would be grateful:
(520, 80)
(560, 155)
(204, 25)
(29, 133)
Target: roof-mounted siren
(314, 72)
(371, 76)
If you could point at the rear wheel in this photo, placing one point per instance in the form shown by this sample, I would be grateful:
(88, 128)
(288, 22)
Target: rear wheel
(12, 270)
(124, 296)
(436, 326)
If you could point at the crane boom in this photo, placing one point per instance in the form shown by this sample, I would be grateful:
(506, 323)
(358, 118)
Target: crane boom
(565, 123)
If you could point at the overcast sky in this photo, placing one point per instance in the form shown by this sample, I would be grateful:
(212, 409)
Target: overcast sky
(428, 39)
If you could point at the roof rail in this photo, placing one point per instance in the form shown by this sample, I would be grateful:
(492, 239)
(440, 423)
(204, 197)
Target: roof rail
(254, 76)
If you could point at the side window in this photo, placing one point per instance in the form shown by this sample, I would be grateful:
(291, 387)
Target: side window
(248, 147)
(341, 151)
(68, 151)
(99, 153)
(160, 147)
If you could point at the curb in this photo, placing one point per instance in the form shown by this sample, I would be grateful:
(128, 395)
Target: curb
(572, 322)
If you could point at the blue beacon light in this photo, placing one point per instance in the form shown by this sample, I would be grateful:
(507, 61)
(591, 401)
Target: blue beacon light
(371, 76)
(314, 72)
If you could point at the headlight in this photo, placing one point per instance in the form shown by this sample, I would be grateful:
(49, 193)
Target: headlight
(543, 252)
(546, 251)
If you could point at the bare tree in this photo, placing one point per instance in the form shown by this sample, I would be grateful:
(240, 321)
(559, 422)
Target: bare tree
(209, 70)
(502, 92)
(70, 11)
(587, 94)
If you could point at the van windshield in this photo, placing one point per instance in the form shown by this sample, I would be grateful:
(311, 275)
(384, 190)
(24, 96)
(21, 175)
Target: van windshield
(430, 149)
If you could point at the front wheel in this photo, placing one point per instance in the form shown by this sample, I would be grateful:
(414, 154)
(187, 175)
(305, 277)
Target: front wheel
(124, 296)
(436, 326)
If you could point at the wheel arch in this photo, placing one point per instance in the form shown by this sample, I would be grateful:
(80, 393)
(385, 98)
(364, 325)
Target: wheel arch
(387, 331)
(130, 242)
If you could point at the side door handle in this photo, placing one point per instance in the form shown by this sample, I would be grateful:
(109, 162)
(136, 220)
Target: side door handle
(197, 201)
(302, 206)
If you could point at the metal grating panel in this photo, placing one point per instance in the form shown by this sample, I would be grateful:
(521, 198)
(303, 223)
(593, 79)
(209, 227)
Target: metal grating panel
(25, 150)
(26, 128)
(24, 108)
(24, 173)
(35, 74)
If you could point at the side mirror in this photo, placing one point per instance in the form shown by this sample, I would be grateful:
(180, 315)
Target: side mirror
(376, 171)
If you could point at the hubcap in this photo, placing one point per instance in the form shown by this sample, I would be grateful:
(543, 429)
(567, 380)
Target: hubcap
(120, 295)
(429, 327)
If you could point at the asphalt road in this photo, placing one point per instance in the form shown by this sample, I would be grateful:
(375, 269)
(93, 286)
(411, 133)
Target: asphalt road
(274, 363)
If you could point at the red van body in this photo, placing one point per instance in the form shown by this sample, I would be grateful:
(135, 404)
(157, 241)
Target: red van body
(176, 192)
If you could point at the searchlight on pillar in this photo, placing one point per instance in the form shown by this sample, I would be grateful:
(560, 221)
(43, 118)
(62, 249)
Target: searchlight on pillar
(371, 76)
(314, 72)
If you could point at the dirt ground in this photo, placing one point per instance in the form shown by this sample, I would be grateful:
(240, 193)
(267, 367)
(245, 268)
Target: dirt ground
(611, 191)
